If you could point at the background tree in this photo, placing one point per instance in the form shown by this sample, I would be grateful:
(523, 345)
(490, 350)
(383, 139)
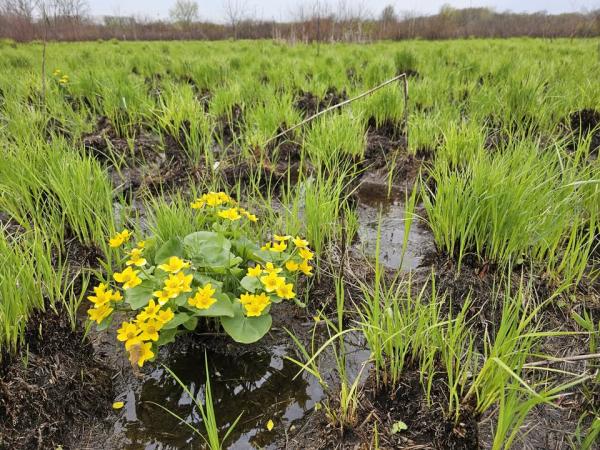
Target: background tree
(184, 12)
(387, 19)
(388, 15)
(235, 11)
(22, 9)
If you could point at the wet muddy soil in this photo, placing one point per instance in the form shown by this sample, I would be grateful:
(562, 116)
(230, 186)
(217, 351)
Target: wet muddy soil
(54, 390)
(309, 103)
(584, 124)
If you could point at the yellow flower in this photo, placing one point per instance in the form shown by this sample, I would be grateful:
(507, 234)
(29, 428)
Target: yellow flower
(132, 343)
(272, 282)
(267, 246)
(141, 244)
(285, 291)
(230, 214)
(198, 204)
(178, 283)
(174, 265)
(128, 278)
(164, 316)
(278, 247)
(246, 298)
(119, 239)
(281, 238)
(215, 198)
(270, 425)
(140, 353)
(118, 405)
(204, 297)
(102, 295)
(255, 304)
(116, 296)
(149, 312)
(292, 266)
(306, 254)
(127, 332)
(300, 243)
(136, 258)
(150, 330)
(254, 271)
(100, 288)
(99, 313)
(250, 217)
(270, 268)
(212, 199)
(305, 268)
(162, 296)
(56, 72)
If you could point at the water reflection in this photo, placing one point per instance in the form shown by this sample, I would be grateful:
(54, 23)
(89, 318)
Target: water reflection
(371, 203)
(261, 384)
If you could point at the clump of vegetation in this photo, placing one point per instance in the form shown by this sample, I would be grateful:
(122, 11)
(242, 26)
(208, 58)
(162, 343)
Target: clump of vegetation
(214, 273)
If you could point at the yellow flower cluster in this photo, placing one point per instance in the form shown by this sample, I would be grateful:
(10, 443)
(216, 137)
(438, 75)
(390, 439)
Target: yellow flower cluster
(102, 300)
(119, 239)
(236, 213)
(254, 304)
(213, 199)
(204, 297)
(280, 244)
(175, 285)
(174, 264)
(128, 278)
(63, 80)
(139, 334)
(272, 283)
(136, 258)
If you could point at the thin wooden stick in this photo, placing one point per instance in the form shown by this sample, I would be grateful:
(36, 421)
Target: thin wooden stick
(346, 102)
(549, 361)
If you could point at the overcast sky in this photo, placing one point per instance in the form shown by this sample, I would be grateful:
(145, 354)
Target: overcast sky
(282, 9)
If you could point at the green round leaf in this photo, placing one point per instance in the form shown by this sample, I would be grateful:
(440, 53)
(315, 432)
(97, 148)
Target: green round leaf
(251, 284)
(140, 295)
(173, 247)
(221, 308)
(176, 321)
(246, 330)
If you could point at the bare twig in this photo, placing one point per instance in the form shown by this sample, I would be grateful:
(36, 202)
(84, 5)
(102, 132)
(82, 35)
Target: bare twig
(346, 102)
(46, 24)
(552, 360)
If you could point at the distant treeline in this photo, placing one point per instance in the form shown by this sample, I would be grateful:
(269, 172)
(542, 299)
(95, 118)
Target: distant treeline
(449, 23)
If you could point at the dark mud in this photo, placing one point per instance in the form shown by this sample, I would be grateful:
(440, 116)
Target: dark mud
(309, 103)
(229, 126)
(427, 424)
(9, 225)
(584, 124)
(145, 163)
(55, 127)
(106, 145)
(54, 390)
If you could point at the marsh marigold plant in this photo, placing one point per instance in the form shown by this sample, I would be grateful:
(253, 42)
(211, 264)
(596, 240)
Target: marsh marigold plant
(218, 274)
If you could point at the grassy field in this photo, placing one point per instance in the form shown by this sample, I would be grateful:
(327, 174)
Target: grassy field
(401, 272)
